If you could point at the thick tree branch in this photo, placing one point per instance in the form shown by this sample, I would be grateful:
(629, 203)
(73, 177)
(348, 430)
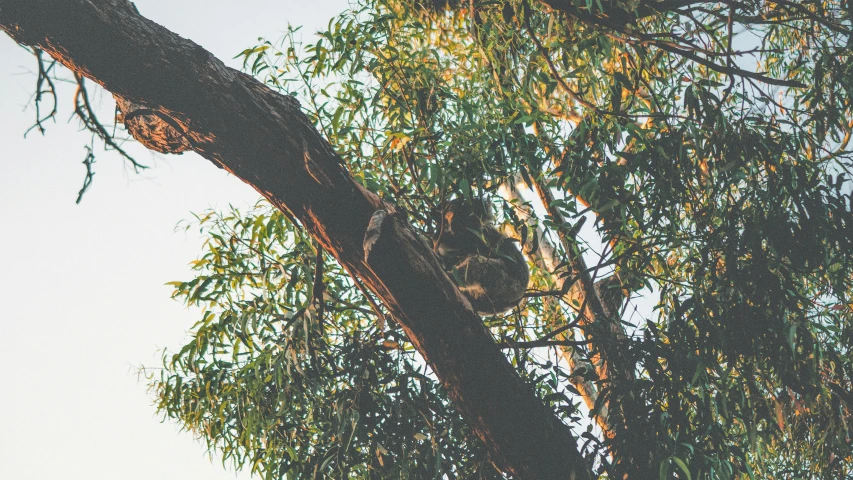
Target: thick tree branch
(263, 138)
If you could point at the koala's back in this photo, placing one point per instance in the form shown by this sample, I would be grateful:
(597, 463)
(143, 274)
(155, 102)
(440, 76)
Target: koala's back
(494, 281)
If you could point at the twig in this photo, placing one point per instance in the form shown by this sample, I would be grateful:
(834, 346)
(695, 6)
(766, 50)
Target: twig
(84, 111)
(42, 79)
(87, 162)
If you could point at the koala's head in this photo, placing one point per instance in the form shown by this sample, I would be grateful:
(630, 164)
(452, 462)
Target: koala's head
(461, 227)
(459, 216)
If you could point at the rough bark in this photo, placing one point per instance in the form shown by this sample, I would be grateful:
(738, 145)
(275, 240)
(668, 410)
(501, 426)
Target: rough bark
(263, 138)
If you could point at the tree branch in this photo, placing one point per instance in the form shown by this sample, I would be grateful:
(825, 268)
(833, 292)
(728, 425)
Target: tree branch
(546, 258)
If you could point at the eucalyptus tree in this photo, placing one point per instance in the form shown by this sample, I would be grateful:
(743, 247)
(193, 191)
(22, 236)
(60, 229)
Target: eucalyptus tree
(703, 320)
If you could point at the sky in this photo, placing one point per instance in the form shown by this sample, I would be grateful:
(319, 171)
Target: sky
(83, 300)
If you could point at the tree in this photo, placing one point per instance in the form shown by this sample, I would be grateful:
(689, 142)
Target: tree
(717, 189)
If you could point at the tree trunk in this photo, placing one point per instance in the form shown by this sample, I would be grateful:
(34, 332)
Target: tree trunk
(263, 138)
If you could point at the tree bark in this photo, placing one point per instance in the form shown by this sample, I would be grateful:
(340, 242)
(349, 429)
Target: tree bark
(263, 138)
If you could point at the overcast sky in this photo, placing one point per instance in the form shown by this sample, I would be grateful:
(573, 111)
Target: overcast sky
(82, 295)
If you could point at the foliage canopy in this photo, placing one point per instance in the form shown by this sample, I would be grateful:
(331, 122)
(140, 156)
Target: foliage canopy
(708, 144)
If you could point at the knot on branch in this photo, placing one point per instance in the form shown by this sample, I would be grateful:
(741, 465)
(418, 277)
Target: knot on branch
(152, 128)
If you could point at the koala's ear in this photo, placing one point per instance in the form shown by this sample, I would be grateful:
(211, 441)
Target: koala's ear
(481, 207)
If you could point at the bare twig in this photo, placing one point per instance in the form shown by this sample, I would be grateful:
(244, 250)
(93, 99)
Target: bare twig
(87, 162)
(44, 85)
(83, 110)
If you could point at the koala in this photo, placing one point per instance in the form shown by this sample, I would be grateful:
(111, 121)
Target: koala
(487, 265)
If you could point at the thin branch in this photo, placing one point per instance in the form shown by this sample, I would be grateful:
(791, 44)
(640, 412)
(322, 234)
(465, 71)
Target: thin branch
(727, 70)
(87, 162)
(83, 110)
(43, 79)
(619, 24)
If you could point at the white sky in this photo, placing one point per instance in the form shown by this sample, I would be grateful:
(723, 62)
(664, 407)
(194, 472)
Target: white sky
(82, 294)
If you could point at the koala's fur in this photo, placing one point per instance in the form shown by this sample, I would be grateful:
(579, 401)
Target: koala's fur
(487, 265)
